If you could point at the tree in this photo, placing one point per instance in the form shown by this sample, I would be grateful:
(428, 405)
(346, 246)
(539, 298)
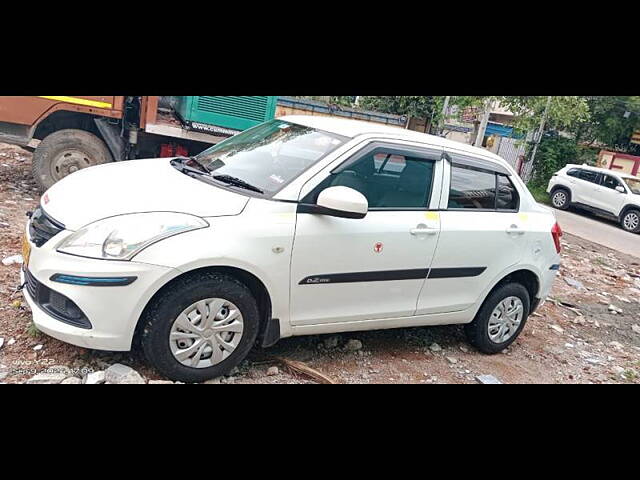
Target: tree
(424, 107)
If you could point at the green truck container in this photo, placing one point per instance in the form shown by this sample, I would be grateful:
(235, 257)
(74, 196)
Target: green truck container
(225, 115)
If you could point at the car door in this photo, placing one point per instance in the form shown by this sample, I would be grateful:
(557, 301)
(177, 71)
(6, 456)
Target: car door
(606, 197)
(586, 192)
(346, 270)
(482, 233)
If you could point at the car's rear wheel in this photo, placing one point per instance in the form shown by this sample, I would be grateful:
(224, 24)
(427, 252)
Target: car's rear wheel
(500, 319)
(631, 221)
(561, 198)
(200, 328)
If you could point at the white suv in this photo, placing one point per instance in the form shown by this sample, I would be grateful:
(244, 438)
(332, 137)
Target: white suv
(603, 192)
(302, 225)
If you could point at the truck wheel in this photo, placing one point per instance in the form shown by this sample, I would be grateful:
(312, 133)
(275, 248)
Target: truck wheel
(64, 152)
(203, 326)
(631, 221)
(500, 319)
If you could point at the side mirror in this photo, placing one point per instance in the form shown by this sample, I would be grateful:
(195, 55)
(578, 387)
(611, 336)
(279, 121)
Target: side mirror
(341, 202)
(620, 189)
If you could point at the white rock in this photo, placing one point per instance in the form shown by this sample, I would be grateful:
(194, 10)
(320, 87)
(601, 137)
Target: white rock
(635, 328)
(37, 348)
(95, 378)
(618, 370)
(1, 342)
(273, 371)
(12, 260)
(488, 380)
(160, 382)
(616, 345)
(11, 342)
(434, 347)
(47, 378)
(213, 381)
(452, 360)
(121, 374)
(556, 328)
(71, 381)
(464, 349)
(354, 345)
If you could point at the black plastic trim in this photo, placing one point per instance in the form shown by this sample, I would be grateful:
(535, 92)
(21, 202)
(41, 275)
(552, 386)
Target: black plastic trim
(317, 209)
(271, 333)
(389, 275)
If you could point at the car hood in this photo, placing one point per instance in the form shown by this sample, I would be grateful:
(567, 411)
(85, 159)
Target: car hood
(135, 186)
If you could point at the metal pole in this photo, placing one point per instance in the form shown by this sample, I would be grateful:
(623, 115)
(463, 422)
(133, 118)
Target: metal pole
(445, 108)
(540, 129)
(483, 124)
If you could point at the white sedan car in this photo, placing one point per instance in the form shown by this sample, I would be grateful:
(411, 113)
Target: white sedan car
(301, 225)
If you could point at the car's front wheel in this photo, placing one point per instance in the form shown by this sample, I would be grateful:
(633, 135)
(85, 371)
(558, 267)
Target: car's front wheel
(561, 199)
(500, 319)
(631, 221)
(200, 328)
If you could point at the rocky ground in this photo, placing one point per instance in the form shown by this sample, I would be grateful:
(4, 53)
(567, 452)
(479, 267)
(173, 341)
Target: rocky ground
(588, 331)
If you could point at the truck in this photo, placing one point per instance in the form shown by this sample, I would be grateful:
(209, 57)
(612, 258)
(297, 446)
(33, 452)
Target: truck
(69, 133)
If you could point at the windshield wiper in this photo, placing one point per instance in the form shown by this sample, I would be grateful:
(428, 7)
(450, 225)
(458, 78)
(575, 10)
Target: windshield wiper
(192, 163)
(238, 182)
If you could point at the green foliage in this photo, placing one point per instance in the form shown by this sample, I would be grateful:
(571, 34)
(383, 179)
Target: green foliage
(33, 331)
(423, 107)
(539, 192)
(554, 153)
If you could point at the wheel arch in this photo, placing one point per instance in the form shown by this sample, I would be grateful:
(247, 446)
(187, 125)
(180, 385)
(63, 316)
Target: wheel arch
(561, 187)
(626, 208)
(524, 276)
(63, 120)
(255, 285)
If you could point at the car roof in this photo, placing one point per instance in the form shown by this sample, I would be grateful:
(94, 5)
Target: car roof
(601, 170)
(356, 128)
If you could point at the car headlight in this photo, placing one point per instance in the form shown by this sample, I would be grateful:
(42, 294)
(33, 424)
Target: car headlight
(122, 237)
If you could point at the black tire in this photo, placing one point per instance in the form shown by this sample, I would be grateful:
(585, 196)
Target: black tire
(477, 332)
(83, 150)
(630, 218)
(561, 198)
(160, 315)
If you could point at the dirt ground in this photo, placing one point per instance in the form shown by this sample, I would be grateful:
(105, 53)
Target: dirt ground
(586, 332)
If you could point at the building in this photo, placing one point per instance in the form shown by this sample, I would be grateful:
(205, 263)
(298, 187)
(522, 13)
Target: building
(621, 162)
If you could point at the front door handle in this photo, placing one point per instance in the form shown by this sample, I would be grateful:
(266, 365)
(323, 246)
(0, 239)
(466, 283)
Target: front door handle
(422, 229)
(513, 229)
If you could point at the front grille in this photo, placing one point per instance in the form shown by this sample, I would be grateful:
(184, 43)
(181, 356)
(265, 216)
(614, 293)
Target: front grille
(55, 304)
(42, 227)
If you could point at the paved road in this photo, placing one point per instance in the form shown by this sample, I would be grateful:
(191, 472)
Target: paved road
(598, 230)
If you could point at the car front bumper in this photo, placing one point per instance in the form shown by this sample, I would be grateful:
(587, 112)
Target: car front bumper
(111, 312)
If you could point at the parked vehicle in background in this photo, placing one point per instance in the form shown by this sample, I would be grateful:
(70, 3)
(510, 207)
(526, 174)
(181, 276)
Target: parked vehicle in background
(600, 191)
(301, 225)
(70, 133)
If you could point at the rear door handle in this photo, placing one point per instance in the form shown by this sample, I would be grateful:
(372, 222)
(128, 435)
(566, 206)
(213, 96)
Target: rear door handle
(513, 229)
(422, 229)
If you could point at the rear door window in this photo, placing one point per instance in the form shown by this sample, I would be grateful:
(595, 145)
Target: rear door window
(507, 197)
(590, 176)
(472, 189)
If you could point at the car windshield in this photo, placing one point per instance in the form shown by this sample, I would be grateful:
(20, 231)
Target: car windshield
(633, 184)
(268, 156)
